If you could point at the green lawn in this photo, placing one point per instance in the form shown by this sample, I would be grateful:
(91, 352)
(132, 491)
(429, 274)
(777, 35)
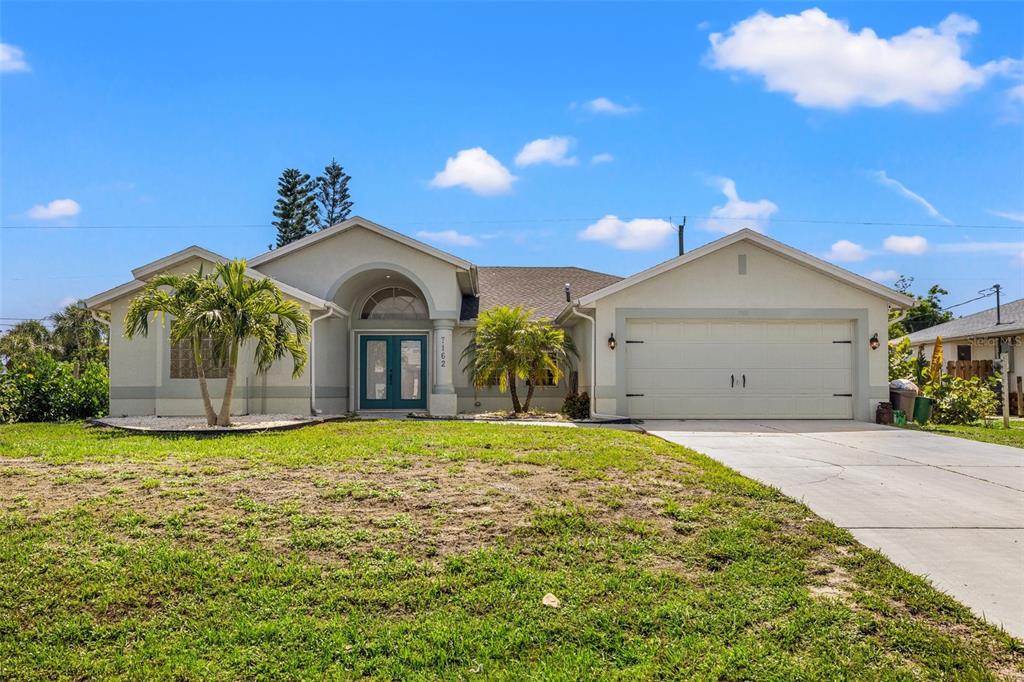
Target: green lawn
(412, 550)
(990, 432)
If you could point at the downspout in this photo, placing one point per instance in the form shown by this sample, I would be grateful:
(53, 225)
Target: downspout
(312, 358)
(593, 368)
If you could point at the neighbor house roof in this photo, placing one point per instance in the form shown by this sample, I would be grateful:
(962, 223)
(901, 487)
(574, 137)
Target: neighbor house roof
(746, 234)
(1011, 317)
(541, 289)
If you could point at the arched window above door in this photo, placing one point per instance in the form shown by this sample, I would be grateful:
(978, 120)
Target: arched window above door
(394, 303)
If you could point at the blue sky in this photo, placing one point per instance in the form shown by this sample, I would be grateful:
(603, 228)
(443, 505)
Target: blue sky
(798, 121)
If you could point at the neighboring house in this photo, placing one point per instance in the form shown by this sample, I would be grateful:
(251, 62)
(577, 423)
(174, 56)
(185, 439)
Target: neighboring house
(742, 327)
(977, 336)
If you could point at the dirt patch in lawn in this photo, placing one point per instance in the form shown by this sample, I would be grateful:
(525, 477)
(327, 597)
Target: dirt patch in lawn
(421, 506)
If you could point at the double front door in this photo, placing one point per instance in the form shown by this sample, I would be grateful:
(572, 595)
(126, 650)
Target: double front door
(392, 372)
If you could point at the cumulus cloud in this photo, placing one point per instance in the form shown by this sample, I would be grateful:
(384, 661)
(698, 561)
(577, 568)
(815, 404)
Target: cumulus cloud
(449, 237)
(884, 276)
(1016, 216)
(12, 59)
(822, 63)
(629, 235)
(603, 105)
(553, 150)
(736, 213)
(475, 170)
(908, 246)
(603, 157)
(902, 190)
(845, 251)
(58, 208)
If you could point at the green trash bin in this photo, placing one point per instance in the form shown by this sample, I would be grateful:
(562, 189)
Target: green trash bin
(922, 409)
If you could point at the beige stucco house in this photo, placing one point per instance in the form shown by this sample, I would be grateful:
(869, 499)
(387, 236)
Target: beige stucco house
(979, 336)
(744, 327)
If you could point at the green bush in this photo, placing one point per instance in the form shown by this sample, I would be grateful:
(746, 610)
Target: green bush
(962, 401)
(576, 406)
(903, 363)
(40, 389)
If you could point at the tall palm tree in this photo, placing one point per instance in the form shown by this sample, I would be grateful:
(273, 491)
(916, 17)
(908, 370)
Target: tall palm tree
(493, 356)
(238, 309)
(79, 337)
(177, 296)
(544, 349)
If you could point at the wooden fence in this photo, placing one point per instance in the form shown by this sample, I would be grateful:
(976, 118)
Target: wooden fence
(966, 369)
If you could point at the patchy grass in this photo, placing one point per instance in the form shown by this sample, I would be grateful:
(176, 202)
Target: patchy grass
(991, 431)
(423, 550)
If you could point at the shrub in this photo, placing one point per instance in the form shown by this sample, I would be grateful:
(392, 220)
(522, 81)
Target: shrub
(962, 401)
(39, 389)
(576, 406)
(903, 364)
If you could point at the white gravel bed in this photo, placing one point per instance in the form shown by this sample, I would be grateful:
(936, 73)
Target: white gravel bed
(248, 422)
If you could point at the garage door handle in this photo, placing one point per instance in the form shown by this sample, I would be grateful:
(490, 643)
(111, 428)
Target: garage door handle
(744, 381)
(732, 381)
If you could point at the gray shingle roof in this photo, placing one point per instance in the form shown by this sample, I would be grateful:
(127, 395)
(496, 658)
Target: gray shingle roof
(539, 288)
(979, 324)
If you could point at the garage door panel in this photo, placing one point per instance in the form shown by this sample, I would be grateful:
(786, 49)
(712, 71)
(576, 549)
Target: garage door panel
(793, 369)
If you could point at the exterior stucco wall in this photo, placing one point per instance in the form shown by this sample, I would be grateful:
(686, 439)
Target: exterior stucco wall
(773, 287)
(320, 268)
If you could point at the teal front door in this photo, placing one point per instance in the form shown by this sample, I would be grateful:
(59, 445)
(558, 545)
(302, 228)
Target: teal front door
(392, 372)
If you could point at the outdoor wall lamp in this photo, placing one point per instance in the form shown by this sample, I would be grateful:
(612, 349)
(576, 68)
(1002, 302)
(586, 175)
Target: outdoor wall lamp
(611, 341)
(874, 342)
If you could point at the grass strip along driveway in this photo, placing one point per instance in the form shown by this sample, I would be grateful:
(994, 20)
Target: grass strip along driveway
(424, 550)
(991, 431)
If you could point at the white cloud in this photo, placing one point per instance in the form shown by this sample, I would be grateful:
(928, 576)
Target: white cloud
(551, 150)
(475, 170)
(902, 190)
(822, 63)
(1016, 216)
(845, 251)
(884, 275)
(603, 157)
(12, 59)
(58, 208)
(450, 237)
(908, 246)
(629, 235)
(736, 214)
(603, 105)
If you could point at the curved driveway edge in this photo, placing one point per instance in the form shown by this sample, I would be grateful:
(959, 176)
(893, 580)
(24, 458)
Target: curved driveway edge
(946, 508)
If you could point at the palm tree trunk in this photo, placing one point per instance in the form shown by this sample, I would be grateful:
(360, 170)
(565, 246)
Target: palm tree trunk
(224, 419)
(529, 397)
(516, 407)
(204, 390)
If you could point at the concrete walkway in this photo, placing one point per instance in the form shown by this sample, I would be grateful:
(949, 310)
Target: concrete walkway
(946, 508)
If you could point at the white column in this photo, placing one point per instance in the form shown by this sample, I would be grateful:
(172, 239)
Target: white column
(443, 399)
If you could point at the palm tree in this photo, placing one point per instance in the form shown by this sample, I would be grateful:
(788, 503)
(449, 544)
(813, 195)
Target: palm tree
(79, 337)
(177, 296)
(24, 339)
(494, 354)
(544, 349)
(239, 308)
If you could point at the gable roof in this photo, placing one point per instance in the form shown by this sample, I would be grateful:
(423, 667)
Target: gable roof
(777, 247)
(161, 264)
(358, 221)
(1011, 316)
(541, 289)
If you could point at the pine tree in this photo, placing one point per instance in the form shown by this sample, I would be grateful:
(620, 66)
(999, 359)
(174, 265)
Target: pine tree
(334, 203)
(295, 209)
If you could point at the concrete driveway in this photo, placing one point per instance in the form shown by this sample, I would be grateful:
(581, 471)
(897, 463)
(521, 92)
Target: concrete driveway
(942, 507)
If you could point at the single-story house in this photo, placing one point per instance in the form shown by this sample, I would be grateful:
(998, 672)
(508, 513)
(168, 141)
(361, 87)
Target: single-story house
(743, 327)
(977, 337)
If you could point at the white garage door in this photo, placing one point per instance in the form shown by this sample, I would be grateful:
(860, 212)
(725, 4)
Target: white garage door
(739, 369)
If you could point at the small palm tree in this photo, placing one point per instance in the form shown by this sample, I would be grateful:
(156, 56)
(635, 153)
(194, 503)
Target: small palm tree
(544, 349)
(24, 339)
(177, 296)
(494, 354)
(79, 337)
(238, 309)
